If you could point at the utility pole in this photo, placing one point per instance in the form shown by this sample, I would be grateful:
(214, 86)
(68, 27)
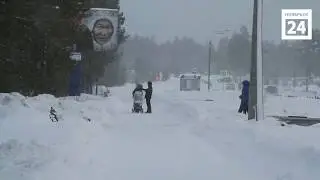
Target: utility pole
(253, 70)
(256, 74)
(260, 84)
(308, 77)
(209, 64)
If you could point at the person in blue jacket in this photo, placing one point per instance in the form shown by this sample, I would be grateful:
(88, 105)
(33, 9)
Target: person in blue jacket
(244, 97)
(75, 80)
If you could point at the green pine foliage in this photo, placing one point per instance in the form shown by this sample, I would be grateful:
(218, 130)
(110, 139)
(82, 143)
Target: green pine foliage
(36, 37)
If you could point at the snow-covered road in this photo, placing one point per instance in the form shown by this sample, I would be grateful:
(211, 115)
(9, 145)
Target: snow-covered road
(184, 138)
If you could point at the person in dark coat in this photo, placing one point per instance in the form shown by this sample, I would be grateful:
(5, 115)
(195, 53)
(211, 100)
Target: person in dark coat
(244, 97)
(148, 96)
(75, 80)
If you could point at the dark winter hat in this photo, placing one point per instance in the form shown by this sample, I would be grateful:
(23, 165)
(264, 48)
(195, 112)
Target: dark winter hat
(245, 83)
(149, 83)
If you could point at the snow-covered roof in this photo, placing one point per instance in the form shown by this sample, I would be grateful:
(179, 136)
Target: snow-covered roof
(190, 75)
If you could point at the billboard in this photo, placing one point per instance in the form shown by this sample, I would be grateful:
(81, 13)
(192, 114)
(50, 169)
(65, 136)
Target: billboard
(103, 24)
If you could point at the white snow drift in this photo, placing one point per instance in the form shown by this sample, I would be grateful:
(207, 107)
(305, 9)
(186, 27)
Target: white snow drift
(186, 138)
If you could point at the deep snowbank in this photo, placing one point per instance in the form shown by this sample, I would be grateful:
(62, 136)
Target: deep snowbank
(186, 138)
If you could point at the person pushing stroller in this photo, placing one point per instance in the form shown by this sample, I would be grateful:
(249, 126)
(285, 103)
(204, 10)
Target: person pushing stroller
(137, 95)
(148, 96)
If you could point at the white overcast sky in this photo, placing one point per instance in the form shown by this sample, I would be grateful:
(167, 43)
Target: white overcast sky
(199, 19)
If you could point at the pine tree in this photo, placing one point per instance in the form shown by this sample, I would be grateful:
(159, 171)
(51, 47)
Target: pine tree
(37, 39)
(33, 55)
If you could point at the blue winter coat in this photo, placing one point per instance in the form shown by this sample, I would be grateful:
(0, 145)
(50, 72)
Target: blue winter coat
(245, 90)
(75, 80)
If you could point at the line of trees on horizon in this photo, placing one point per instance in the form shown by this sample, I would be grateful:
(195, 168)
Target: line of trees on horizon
(232, 53)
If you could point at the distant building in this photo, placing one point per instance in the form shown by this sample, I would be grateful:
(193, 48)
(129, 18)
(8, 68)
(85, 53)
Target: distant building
(190, 82)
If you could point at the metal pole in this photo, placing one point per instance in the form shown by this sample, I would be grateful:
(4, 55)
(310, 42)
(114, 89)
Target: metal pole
(209, 65)
(307, 78)
(253, 70)
(260, 84)
(96, 86)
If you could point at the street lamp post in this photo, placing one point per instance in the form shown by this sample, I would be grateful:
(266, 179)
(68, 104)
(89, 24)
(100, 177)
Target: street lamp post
(209, 64)
(218, 32)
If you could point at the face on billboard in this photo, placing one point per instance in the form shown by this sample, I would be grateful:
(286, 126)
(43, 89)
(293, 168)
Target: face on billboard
(102, 31)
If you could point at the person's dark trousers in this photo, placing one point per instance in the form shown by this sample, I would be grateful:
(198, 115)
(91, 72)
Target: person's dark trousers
(148, 102)
(243, 107)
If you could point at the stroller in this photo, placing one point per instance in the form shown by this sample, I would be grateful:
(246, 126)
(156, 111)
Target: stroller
(137, 102)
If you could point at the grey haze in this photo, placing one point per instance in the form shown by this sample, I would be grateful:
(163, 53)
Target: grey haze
(199, 19)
